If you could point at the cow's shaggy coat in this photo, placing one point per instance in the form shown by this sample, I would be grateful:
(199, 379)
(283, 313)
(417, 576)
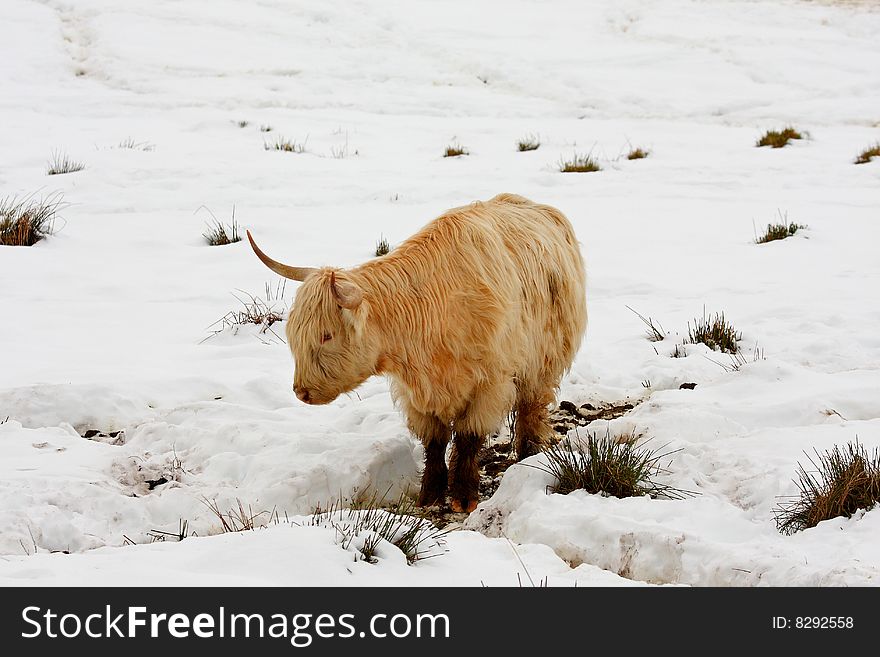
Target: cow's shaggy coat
(479, 313)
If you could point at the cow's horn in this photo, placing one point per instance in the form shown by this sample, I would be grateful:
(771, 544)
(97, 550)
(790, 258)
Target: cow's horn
(293, 273)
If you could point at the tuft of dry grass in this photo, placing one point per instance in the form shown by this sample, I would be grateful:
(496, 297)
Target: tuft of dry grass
(868, 154)
(579, 164)
(382, 247)
(528, 143)
(370, 522)
(219, 234)
(779, 231)
(611, 465)
(637, 154)
(845, 480)
(265, 128)
(61, 163)
(239, 518)
(160, 536)
(130, 144)
(779, 138)
(656, 332)
(455, 150)
(262, 312)
(25, 221)
(738, 360)
(715, 332)
(286, 145)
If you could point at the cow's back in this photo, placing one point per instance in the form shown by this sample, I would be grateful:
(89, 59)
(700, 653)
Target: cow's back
(529, 256)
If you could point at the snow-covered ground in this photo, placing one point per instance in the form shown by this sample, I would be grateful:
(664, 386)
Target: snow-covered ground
(103, 324)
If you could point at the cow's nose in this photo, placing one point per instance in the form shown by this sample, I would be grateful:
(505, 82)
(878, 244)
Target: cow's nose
(303, 395)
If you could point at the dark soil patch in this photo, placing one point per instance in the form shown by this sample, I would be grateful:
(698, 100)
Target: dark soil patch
(109, 438)
(152, 483)
(494, 461)
(568, 416)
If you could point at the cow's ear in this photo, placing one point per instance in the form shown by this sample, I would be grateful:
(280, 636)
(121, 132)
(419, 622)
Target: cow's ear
(347, 294)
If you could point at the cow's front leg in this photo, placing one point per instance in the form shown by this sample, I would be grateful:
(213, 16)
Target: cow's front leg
(488, 407)
(464, 472)
(434, 434)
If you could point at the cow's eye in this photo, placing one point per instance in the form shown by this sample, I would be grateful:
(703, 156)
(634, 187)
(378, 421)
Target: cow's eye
(326, 338)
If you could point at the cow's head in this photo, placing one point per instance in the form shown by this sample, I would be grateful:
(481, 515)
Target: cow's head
(326, 331)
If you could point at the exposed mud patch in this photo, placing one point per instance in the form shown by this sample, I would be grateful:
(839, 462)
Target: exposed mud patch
(142, 475)
(152, 483)
(494, 461)
(568, 416)
(109, 438)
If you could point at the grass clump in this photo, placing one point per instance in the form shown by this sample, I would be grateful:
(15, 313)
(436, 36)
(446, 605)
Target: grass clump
(528, 143)
(183, 531)
(382, 247)
(656, 333)
(611, 465)
(286, 145)
(239, 518)
(778, 232)
(130, 144)
(637, 153)
(845, 480)
(866, 155)
(455, 150)
(25, 221)
(738, 360)
(219, 234)
(261, 312)
(779, 138)
(370, 522)
(715, 332)
(61, 163)
(579, 164)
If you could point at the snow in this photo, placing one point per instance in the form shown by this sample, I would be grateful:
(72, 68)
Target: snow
(104, 324)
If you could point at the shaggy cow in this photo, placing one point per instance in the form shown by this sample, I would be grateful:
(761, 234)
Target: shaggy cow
(478, 314)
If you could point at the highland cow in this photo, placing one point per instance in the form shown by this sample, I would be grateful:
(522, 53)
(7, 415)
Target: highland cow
(478, 314)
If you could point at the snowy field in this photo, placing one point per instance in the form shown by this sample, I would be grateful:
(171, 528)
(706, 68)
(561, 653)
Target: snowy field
(104, 323)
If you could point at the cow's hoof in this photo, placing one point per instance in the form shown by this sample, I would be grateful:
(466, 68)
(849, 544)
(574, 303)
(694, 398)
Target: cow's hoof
(529, 448)
(431, 501)
(463, 506)
(432, 495)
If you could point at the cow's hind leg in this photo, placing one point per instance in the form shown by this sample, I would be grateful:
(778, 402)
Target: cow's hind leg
(434, 434)
(532, 430)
